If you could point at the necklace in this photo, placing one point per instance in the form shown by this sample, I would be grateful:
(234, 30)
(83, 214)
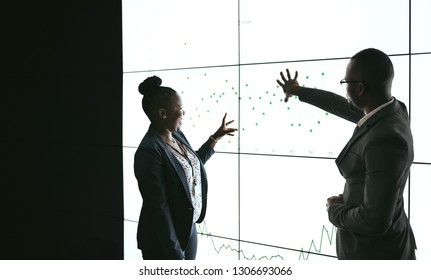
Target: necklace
(169, 140)
(185, 155)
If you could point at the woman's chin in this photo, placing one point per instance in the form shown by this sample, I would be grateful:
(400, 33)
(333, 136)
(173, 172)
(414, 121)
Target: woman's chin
(175, 129)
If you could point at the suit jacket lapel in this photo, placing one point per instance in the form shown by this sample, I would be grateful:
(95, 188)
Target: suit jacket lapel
(173, 160)
(179, 169)
(359, 131)
(356, 134)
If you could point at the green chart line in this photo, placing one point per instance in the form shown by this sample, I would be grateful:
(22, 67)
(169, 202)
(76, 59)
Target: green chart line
(303, 255)
(203, 231)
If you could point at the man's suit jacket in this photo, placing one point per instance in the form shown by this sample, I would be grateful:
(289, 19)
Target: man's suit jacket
(166, 216)
(375, 163)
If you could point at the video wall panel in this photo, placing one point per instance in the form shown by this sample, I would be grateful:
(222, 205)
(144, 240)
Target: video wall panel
(269, 183)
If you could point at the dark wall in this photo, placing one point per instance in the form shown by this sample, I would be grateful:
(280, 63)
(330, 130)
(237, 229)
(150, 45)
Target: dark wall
(61, 193)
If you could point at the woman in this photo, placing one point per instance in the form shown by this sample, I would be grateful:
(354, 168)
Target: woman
(171, 177)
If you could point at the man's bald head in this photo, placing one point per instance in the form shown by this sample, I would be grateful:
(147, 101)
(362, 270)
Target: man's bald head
(375, 69)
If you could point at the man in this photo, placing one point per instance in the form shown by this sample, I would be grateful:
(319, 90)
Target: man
(375, 163)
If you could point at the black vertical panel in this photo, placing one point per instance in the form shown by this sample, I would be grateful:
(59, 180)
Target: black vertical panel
(61, 194)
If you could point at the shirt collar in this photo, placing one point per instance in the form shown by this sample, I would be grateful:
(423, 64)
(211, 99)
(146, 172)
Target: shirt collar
(373, 112)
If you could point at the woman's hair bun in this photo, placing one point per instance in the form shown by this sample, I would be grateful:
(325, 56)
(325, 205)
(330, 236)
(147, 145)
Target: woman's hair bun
(149, 85)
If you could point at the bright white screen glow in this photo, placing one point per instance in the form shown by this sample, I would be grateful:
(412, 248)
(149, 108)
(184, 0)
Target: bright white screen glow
(269, 183)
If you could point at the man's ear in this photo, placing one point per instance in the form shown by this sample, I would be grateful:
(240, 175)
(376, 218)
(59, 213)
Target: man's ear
(361, 89)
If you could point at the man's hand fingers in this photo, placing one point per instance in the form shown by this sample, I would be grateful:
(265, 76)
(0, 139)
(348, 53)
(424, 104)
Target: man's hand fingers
(282, 77)
(280, 83)
(288, 74)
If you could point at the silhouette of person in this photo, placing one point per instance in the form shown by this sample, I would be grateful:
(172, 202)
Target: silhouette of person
(369, 215)
(171, 177)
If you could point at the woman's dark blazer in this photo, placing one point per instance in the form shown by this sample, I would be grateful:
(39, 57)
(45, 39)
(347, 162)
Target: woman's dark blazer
(166, 216)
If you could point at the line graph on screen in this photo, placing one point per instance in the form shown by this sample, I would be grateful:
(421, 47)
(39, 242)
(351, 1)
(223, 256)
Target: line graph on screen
(315, 248)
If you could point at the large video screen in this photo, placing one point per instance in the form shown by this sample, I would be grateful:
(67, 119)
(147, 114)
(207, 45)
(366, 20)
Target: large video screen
(269, 183)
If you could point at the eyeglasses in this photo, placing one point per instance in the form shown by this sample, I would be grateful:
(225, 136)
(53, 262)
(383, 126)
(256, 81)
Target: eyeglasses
(343, 83)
